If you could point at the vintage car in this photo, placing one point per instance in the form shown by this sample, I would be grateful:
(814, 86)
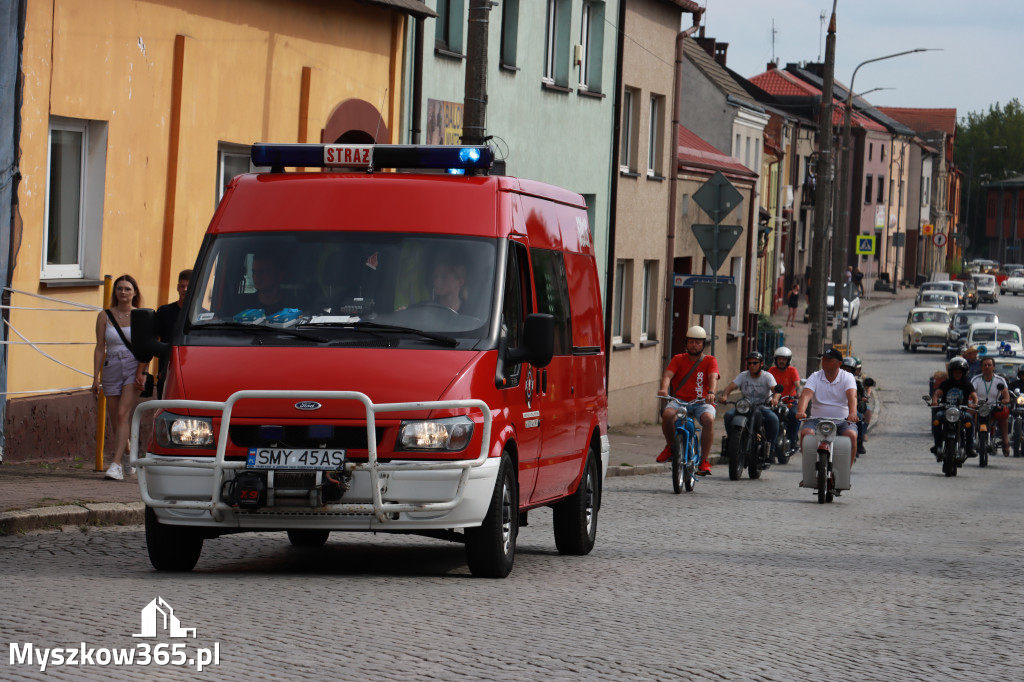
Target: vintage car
(972, 292)
(944, 285)
(947, 300)
(988, 290)
(995, 338)
(1014, 284)
(925, 328)
(956, 334)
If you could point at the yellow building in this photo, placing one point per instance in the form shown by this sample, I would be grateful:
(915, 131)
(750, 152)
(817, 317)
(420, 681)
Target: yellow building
(134, 116)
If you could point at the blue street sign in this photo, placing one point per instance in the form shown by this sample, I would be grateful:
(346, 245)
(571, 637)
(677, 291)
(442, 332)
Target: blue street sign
(687, 281)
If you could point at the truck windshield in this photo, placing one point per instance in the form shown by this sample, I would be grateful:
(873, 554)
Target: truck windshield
(358, 288)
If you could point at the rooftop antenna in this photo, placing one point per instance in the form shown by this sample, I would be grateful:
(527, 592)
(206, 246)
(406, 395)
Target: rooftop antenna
(821, 33)
(775, 32)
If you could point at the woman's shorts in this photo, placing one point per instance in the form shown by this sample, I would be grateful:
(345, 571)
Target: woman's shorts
(118, 371)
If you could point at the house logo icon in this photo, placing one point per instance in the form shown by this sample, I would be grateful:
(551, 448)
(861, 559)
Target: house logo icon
(158, 616)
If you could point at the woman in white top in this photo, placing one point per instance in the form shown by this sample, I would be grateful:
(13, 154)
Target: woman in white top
(122, 375)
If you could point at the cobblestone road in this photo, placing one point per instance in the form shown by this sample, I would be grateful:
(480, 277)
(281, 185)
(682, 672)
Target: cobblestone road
(909, 576)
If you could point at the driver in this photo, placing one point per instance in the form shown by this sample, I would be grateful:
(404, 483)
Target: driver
(450, 283)
(697, 378)
(957, 390)
(991, 388)
(757, 387)
(830, 392)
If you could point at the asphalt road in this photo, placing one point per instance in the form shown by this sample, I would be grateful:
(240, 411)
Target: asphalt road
(908, 576)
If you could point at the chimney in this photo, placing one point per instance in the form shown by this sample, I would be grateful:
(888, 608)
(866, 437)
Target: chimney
(720, 53)
(772, 66)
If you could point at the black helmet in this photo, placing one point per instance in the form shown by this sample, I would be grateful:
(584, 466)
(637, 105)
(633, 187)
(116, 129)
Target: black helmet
(1020, 371)
(957, 363)
(755, 355)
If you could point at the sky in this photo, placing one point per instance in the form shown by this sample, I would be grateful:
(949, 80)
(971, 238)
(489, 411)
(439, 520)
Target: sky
(982, 42)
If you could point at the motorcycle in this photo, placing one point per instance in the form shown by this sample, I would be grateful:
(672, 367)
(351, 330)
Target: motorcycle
(782, 411)
(1016, 423)
(746, 445)
(955, 420)
(826, 459)
(985, 424)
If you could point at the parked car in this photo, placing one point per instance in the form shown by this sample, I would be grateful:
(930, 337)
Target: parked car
(995, 338)
(960, 324)
(987, 289)
(1013, 284)
(947, 300)
(851, 308)
(945, 285)
(925, 328)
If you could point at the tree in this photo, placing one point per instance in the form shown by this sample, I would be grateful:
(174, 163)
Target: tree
(997, 140)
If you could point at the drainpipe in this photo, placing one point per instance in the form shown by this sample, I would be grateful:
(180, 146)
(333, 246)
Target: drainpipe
(670, 237)
(417, 79)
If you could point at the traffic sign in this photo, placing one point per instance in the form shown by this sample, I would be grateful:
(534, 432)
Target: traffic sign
(688, 281)
(708, 301)
(727, 236)
(928, 229)
(717, 197)
(939, 239)
(866, 244)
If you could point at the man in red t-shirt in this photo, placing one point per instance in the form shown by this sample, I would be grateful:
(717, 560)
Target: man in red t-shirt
(787, 376)
(684, 386)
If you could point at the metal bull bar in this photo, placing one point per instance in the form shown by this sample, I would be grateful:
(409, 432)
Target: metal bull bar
(379, 508)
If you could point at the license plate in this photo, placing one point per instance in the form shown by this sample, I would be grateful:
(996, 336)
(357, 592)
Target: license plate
(277, 458)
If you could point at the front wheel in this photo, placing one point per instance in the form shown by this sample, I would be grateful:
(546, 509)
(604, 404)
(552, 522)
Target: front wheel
(734, 453)
(949, 457)
(576, 516)
(678, 471)
(171, 548)
(984, 444)
(822, 476)
(1017, 437)
(754, 465)
(491, 547)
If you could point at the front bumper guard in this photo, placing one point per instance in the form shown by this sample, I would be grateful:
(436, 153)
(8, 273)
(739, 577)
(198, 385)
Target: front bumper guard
(384, 511)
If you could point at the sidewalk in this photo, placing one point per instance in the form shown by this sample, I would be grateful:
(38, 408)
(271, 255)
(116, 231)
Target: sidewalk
(51, 495)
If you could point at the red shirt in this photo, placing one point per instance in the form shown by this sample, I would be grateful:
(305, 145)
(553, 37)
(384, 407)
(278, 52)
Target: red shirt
(695, 385)
(788, 378)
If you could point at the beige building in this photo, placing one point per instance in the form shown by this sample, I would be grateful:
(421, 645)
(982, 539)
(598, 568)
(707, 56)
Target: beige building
(135, 115)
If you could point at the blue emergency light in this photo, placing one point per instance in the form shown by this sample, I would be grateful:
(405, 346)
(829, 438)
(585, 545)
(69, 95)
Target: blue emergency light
(370, 157)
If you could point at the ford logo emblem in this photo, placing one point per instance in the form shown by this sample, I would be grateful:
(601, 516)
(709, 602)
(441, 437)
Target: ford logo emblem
(307, 405)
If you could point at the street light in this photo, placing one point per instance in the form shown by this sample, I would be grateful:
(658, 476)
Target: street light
(839, 237)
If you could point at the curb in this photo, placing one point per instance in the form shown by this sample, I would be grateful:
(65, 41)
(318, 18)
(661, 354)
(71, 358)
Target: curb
(95, 514)
(645, 469)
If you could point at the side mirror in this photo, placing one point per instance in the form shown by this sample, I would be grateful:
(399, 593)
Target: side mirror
(145, 342)
(869, 382)
(538, 341)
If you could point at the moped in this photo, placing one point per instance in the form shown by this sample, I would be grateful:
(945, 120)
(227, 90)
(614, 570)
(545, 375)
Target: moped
(826, 458)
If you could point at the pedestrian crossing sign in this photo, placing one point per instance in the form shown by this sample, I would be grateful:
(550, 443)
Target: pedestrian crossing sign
(865, 244)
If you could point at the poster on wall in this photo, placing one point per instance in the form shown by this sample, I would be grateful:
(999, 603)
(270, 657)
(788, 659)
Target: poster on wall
(879, 217)
(444, 122)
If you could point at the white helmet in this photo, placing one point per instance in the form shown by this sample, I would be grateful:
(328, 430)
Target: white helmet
(696, 332)
(783, 352)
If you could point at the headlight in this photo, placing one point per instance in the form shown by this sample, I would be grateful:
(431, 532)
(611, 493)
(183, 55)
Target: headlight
(952, 414)
(1020, 400)
(826, 429)
(175, 431)
(984, 410)
(449, 434)
(742, 406)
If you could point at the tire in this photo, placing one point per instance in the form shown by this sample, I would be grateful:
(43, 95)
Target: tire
(689, 477)
(491, 546)
(308, 537)
(575, 517)
(906, 346)
(783, 457)
(984, 445)
(949, 458)
(913, 348)
(678, 472)
(1017, 437)
(734, 453)
(171, 548)
(822, 476)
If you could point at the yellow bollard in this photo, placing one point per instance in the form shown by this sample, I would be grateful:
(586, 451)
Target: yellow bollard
(101, 404)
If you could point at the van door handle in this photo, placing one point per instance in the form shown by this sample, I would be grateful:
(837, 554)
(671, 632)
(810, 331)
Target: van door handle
(544, 381)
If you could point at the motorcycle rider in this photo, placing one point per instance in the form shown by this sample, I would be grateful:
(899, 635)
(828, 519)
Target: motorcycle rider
(959, 390)
(788, 377)
(1018, 383)
(698, 378)
(987, 386)
(869, 387)
(756, 386)
(850, 365)
(830, 392)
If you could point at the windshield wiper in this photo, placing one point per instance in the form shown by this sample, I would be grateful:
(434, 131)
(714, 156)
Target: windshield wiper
(241, 326)
(370, 327)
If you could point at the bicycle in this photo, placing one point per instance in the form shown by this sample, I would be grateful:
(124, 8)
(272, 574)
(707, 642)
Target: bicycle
(685, 446)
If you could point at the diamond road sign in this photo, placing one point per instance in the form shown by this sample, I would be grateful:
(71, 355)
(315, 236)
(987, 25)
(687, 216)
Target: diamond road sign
(727, 236)
(718, 197)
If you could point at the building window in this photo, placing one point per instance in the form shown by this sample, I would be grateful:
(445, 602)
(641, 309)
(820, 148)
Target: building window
(76, 163)
(649, 301)
(892, 191)
(871, 149)
(746, 156)
(880, 196)
(232, 160)
(509, 32)
(448, 26)
(620, 303)
(628, 132)
(903, 199)
(738, 148)
(556, 43)
(655, 136)
(868, 184)
(591, 45)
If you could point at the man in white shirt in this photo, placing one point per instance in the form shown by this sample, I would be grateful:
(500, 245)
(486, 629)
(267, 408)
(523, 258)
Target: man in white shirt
(830, 392)
(991, 388)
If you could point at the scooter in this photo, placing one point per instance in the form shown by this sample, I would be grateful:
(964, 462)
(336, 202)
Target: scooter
(826, 459)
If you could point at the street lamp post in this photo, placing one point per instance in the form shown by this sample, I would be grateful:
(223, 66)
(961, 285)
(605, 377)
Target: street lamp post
(840, 236)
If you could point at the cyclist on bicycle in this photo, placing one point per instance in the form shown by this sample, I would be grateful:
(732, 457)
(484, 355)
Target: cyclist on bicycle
(691, 376)
(757, 387)
(830, 392)
(789, 378)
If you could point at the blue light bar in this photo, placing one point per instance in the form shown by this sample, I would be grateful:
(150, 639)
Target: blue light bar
(372, 156)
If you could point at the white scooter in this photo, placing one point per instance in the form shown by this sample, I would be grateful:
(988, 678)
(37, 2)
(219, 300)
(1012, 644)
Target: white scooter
(826, 459)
